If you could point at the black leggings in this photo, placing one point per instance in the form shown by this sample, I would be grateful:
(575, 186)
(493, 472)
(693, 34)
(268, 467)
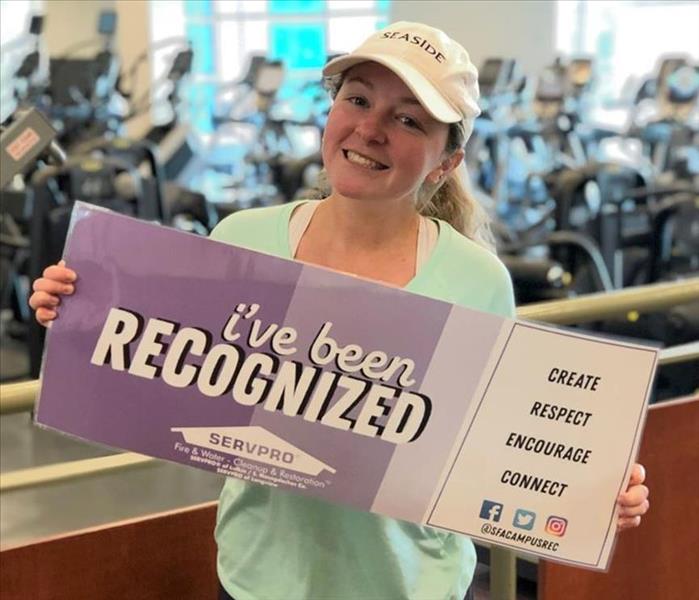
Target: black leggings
(223, 595)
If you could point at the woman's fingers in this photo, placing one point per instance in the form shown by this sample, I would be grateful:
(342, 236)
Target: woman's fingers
(45, 316)
(58, 280)
(634, 510)
(628, 522)
(634, 495)
(638, 474)
(60, 273)
(43, 299)
(633, 503)
(52, 286)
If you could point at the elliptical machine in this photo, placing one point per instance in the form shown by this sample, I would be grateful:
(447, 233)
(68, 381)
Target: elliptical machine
(46, 203)
(161, 158)
(81, 98)
(274, 168)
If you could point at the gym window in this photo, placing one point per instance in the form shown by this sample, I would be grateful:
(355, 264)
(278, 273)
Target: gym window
(15, 45)
(626, 38)
(225, 33)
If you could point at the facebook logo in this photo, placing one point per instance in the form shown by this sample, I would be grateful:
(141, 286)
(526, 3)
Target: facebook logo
(491, 510)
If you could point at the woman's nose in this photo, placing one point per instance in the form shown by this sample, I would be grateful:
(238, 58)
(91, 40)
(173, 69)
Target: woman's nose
(371, 129)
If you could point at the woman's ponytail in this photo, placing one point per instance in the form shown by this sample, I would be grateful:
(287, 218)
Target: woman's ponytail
(451, 201)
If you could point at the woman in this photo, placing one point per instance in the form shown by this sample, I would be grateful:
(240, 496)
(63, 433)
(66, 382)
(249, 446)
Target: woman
(404, 106)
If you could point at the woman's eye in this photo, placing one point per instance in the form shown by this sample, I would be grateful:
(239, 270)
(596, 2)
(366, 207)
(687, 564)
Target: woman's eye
(357, 100)
(409, 121)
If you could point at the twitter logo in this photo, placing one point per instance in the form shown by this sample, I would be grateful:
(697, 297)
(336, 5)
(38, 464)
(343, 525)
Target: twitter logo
(524, 519)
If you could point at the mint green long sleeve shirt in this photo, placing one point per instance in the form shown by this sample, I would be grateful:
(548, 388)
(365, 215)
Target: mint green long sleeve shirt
(275, 545)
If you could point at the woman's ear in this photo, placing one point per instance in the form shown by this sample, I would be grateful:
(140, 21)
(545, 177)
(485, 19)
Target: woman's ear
(445, 167)
(453, 161)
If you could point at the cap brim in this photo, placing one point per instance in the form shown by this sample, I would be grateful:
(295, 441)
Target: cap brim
(423, 89)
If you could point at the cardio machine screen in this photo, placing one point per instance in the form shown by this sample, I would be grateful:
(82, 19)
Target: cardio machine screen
(107, 22)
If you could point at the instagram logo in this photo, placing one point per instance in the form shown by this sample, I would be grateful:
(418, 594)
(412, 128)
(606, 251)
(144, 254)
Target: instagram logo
(556, 526)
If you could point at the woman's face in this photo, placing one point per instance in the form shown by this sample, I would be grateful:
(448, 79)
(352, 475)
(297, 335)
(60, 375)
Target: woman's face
(379, 142)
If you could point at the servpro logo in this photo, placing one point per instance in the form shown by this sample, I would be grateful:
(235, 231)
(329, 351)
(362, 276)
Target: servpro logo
(250, 448)
(254, 443)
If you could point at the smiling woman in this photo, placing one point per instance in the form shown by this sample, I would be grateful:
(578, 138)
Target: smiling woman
(405, 102)
(404, 106)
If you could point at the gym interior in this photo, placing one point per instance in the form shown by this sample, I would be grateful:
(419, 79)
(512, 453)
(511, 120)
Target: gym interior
(182, 112)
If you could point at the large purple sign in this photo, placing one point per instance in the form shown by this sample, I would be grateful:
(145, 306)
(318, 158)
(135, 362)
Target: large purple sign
(293, 376)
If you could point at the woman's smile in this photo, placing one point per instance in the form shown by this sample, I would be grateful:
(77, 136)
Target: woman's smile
(363, 161)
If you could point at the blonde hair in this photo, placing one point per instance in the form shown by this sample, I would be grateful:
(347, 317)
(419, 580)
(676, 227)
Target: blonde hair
(450, 200)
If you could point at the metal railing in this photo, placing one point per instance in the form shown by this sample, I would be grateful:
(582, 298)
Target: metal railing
(21, 397)
(593, 307)
(18, 397)
(68, 471)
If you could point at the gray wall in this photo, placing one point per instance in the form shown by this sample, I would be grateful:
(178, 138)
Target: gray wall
(520, 29)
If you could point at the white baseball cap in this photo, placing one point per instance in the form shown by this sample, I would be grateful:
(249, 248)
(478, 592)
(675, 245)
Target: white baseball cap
(437, 69)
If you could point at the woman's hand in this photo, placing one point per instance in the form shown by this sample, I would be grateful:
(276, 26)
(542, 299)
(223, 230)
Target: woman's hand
(634, 501)
(57, 280)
